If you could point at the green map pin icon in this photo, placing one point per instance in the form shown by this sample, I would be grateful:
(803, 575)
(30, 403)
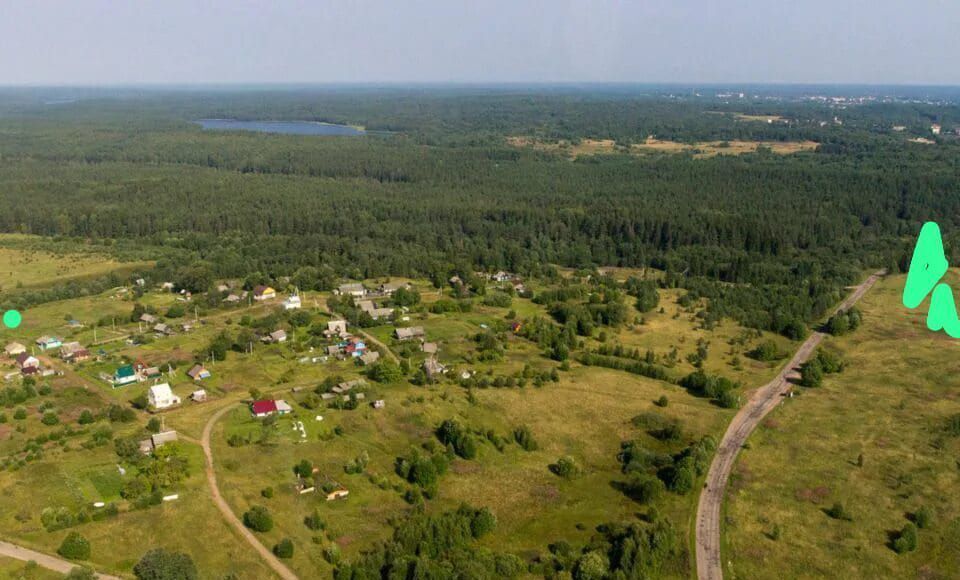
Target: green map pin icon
(12, 319)
(927, 266)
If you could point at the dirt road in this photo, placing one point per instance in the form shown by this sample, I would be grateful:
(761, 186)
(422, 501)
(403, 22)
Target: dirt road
(224, 508)
(48, 562)
(764, 400)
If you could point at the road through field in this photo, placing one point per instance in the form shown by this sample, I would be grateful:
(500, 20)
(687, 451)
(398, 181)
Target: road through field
(224, 508)
(49, 562)
(764, 400)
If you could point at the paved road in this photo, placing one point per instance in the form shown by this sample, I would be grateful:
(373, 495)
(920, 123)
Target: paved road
(49, 562)
(764, 400)
(224, 508)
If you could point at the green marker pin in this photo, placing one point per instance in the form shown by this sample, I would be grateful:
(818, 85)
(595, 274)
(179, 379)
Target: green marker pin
(12, 318)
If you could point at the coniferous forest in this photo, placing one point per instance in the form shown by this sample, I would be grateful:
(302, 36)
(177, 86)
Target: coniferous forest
(436, 187)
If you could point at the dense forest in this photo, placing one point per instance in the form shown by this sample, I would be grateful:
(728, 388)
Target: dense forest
(770, 239)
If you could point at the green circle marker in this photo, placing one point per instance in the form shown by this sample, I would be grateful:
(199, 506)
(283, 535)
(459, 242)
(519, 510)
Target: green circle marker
(12, 318)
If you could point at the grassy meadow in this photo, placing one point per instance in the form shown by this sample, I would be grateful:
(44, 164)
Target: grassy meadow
(889, 405)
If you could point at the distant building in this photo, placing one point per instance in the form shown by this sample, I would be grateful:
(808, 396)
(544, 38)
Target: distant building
(14, 348)
(292, 302)
(125, 375)
(337, 494)
(198, 396)
(26, 360)
(409, 333)
(355, 289)
(148, 318)
(48, 342)
(162, 397)
(390, 287)
(278, 336)
(935, 129)
(433, 368)
(369, 358)
(198, 372)
(156, 441)
(267, 407)
(261, 293)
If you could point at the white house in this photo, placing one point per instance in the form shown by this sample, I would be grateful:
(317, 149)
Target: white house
(15, 348)
(356, 289)
(292, 302)
(161, 397)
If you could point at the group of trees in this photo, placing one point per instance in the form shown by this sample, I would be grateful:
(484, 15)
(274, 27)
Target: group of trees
(435, 546)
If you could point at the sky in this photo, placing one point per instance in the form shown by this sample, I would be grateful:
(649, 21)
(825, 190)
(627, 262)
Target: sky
(111, 42)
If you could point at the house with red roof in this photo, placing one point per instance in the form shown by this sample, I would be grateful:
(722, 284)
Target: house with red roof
(266, 407)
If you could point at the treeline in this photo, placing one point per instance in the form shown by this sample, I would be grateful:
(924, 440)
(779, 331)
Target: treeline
(770, 241)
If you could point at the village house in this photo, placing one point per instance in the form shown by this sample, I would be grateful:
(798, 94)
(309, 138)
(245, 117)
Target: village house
(74, 352)
(347, 385)
(409, 333)
(157, 440)
(278, 336)
(198, 372)
(48, 342)
(261, 293)
(292, 302)
(389, 288)
(198, 396)
(375, 313)
(502, 276)
(162, 397)
(232, 299)
(14, 348)
(369, 358)
(26, 360)
(433, 368)
(429, 347)
(337, 494)
(337, 328)
(186, 326)
(162, 329)
(935, 129)
(125, 375)
(355, 348)
(355, 289)
(167, 286)
(267, 407)
(147, 318)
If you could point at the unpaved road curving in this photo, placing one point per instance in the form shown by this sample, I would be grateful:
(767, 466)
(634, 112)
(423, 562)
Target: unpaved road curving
(764, 400)
(224, 508)
(50, 562)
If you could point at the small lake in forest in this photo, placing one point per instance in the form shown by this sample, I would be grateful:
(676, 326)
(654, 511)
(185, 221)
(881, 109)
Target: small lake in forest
(282, 127)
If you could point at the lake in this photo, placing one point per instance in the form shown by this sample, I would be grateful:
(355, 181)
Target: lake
(283, 127)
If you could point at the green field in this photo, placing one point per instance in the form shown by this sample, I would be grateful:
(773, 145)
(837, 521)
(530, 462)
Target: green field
(891, 405)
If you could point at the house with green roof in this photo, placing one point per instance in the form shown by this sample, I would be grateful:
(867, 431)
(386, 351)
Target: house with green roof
(124, 376)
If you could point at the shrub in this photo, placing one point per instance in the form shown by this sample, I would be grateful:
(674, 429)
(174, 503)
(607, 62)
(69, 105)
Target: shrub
(267, 492)
(74, 547)
(662, 402)
(314, 521)
(565, 467)
(524, 437)
(766, 351)
(284, 548)
(159, 564)
(644, 489)
(86, 417)
(923, 517)
(838, 512)
(258, 519)
(907, 541)
(50, 418)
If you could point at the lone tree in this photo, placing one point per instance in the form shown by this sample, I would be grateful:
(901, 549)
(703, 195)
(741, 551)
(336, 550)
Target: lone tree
(258, 519)
(284, 549)
(159, 564)
(75, 547)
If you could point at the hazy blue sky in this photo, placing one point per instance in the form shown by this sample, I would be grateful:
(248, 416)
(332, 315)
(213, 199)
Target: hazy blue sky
(213, 41)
